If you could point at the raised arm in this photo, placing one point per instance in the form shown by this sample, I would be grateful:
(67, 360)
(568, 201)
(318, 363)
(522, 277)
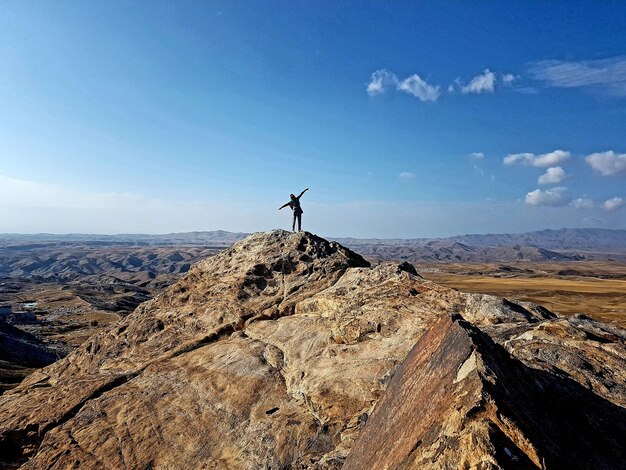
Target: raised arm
(300, 195)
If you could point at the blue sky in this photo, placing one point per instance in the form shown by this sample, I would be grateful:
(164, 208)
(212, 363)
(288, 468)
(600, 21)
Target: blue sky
(405, 119)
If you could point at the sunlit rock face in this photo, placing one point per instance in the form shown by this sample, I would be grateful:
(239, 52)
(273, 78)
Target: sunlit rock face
(459, 400)
(274, 354)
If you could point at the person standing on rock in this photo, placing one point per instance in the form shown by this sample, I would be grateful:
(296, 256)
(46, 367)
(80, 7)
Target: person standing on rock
(297, 210)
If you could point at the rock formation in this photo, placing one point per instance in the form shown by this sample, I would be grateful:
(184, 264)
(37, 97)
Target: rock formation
(274, 353)
(459, 400)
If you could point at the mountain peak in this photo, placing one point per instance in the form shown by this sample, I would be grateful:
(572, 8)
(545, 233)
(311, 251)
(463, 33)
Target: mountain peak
(273, 353)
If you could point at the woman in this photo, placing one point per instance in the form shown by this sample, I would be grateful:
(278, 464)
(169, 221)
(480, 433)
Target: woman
(297, 210)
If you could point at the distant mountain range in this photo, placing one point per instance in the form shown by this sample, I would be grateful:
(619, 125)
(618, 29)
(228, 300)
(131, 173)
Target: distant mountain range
(43, 255)
(545, 245)
(588, 239)
(561, 239)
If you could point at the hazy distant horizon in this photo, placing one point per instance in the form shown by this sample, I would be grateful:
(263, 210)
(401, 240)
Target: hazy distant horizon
(328, 236)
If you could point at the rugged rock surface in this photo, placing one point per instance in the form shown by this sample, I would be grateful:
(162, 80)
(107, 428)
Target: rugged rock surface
(273, 354)
(459, 400)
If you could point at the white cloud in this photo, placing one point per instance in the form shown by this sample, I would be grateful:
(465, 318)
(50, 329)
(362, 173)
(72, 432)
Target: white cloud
(542, 161)
(413, 85)
(508, 78)
(477, 156)
(612, 204)
(406, 175)
(604, 74)
(380, 80)
(553, 175)
(549, 197)
(607, 163)
(521, 158)
(416, 86)
(582, 203)
(482, 83)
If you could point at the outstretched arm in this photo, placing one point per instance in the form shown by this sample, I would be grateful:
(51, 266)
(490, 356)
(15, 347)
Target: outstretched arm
(284, 205)
(300, 195)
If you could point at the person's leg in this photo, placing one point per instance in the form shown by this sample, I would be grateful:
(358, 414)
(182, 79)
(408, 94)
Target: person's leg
(299, 222)
(293, 225)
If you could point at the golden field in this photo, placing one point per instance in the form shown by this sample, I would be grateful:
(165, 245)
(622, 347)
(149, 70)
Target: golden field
(594, 288)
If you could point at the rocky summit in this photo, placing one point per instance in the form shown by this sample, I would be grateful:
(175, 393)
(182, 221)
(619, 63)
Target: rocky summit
(289, 351)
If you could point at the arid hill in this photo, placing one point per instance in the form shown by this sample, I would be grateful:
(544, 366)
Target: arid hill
(144, 266)
(289, 351)
(64, 291)
(437, 252)
(586, 239)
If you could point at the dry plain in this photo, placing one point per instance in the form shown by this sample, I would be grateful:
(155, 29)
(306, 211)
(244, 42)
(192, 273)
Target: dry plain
(593, 288)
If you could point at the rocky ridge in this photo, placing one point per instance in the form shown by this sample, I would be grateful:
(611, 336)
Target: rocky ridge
(275, 352)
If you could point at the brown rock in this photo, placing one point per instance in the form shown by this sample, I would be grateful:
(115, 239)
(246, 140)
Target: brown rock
(272, 354)
(459, 400)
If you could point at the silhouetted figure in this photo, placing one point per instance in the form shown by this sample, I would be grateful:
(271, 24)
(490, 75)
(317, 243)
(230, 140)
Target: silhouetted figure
(297, 210)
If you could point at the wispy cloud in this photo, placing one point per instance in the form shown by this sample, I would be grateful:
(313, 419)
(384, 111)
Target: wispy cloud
(380, 81)
(613, 204)
(553, 175)
(542, 161)
(582, 203)
(607, 163)
(406, 176)
(477, 156)
(605, 74)
(482, 83)
(549, 197)
(527, 90)
(414, 85)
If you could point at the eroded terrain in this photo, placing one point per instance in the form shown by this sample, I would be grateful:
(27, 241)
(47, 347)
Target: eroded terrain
(62, 293)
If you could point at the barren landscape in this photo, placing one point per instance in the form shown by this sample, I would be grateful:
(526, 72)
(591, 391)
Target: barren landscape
(289, 351)
(62, 292)
(594, 288)
(63, 289)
